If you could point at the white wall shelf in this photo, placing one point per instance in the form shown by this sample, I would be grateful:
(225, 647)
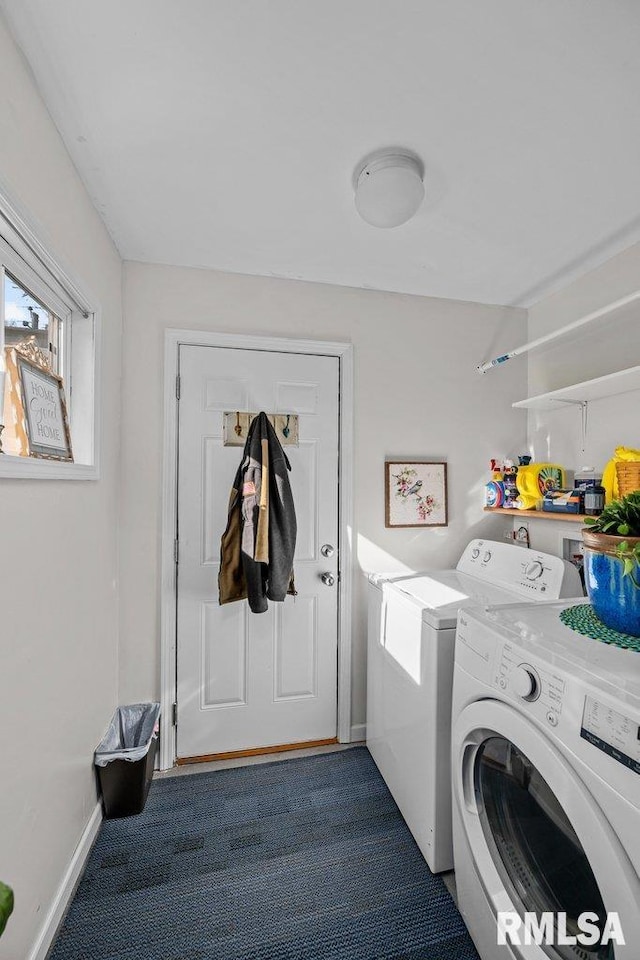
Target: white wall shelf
(622, 381)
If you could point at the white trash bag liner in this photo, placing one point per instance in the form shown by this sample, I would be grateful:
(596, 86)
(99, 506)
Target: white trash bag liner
(130, 733)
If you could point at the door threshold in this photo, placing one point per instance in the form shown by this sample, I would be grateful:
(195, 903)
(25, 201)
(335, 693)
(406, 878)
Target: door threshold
(257, 751)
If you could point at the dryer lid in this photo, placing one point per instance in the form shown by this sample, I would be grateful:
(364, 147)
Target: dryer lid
(440, 594)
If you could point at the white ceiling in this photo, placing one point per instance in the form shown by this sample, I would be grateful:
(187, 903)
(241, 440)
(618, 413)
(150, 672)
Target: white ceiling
(224, 133)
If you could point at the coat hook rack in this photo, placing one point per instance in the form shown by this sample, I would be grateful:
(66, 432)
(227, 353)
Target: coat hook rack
(237, 423)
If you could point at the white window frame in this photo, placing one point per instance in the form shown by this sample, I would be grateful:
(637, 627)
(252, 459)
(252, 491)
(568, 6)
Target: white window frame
(25, 276)
(27, 259)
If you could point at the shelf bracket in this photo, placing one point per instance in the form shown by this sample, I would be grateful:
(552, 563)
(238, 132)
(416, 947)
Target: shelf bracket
(584, 416)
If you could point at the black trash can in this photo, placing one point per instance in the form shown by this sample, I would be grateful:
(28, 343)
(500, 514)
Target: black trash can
(125, 759)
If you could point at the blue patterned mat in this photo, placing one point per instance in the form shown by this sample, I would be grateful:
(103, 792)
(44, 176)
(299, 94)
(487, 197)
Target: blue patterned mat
(305, 859)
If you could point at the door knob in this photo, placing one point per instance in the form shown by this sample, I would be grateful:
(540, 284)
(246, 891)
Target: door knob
(328, 579)
(327, 550)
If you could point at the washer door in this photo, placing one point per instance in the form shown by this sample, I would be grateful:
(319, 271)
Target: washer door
(539, 841)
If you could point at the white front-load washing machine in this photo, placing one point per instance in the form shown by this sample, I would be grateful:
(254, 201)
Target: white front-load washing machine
(546, 785)
(411, 636)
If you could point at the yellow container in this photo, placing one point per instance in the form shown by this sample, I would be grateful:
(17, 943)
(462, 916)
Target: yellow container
(536, 479)
(610, 477)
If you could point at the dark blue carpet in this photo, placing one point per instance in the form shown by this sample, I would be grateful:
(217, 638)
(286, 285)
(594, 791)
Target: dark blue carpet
(305, 859)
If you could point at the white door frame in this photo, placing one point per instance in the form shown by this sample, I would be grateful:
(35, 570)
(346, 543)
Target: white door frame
(168, 611)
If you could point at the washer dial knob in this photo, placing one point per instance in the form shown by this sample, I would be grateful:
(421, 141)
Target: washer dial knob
(475, 553)
(534, 570)
(525, 682)
(487, 556)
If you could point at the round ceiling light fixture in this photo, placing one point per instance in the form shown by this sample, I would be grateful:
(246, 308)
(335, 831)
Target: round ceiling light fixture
(389, 188)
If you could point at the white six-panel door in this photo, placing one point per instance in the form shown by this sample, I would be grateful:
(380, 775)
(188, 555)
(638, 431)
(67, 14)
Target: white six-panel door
(255, 680)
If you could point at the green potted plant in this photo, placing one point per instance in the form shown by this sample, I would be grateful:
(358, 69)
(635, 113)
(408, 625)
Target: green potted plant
(612, 564)
(6, 905)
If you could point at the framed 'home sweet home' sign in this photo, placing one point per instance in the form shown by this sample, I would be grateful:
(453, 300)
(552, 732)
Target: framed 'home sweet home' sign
(38, 408)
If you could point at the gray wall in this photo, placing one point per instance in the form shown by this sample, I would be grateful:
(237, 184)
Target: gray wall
(58, 554)
(606, 345)
(417, 394)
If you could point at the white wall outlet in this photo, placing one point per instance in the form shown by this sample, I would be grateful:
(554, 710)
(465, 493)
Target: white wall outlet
(520, 532)
(572, 550)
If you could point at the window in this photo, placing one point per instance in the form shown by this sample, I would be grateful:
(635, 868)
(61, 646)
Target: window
(44, 317)
(26, 317)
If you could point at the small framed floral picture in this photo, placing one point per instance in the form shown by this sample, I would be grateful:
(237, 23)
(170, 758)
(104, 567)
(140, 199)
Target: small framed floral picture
(415, 494)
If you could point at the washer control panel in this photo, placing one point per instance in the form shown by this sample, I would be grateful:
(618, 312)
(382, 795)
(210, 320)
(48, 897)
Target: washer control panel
(530, 683)
(612, 732)
(525, 573)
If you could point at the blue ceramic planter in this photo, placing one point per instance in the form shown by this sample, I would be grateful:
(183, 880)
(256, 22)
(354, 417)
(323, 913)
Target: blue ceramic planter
(614, 597)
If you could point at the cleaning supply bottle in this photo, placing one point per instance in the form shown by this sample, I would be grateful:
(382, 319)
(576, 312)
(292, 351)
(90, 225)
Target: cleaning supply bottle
(494, 493)
(510, 484)
(536, 479)
(586, 477)
(594, 500)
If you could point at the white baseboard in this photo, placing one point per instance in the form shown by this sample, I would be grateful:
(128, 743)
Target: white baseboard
(358, 732)
(67, 887)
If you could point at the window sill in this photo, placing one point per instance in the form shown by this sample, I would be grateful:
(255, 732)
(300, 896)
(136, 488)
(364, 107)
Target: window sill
(30, 468)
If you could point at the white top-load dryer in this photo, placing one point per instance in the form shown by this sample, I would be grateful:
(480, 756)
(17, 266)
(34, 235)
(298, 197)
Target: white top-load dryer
(411, 635)
(546, 782)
